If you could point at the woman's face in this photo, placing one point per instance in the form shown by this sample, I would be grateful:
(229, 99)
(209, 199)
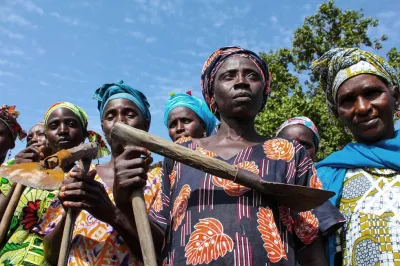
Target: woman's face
(303, 135)
(366, 106)
(6, 139)
(64, 130)
(36, 136)
(183, 122)
(238, 88)
(125, 111)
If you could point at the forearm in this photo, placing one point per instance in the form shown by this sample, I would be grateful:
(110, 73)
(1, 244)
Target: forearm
(52, 242)
(313, 254)
(126, 227)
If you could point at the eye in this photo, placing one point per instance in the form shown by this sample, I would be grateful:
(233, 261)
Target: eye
(372, 94)
(131, 115)
(109, 117)
(186, 121)
(53, 126)
(73, 123)
(254, 76)
(228, 76)
(172, 124)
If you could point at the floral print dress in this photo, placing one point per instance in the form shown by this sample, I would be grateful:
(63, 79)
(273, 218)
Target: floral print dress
(23, 246)
(212, 221)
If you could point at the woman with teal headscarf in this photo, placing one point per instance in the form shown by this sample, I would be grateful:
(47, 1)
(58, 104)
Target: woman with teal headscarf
(362, 91)
(188, 116)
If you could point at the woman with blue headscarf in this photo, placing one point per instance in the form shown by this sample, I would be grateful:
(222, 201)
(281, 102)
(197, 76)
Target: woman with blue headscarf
(188, 116)
(103, 234)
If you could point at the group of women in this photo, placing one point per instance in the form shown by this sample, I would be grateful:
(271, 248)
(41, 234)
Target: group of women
(200, 219)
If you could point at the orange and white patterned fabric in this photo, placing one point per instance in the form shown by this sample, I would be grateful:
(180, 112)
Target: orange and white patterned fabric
(212, 221)
(95, 242)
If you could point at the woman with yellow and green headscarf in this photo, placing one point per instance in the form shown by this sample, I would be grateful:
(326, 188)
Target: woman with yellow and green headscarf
(65, 127)
(362, 91)
(103, 234)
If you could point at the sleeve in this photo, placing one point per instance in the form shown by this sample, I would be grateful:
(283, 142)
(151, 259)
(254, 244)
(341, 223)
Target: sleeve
(159, 211)
(50, 219)
(324, 219)
(5, 184)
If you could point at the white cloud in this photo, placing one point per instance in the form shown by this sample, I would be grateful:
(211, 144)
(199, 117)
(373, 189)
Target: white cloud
(31, 7)
(128, 20)
(10, 34)
(140, 36)
(9, 74)
(241, 11)
(44, 83)
(62, 77)
(274, 20)
(65, 19)
(201, 43)
(10, 51)
(16, 19)
(4, 62)
(40, 51)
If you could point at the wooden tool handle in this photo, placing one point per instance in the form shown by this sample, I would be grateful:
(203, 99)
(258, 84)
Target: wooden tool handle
(66, 239)
(67, 157)
(143, 228)
(70, 223)
(12, 205)
(300, 198)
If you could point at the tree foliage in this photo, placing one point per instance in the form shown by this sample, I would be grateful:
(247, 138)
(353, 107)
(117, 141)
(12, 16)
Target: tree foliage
(329, 27)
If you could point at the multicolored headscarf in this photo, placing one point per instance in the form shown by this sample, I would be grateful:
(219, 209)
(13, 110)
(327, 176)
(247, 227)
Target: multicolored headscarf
(118, 90)
(83, 118)
(340, 64)
(215, 61)
(193, 103)
(301, 120)
(9, 116)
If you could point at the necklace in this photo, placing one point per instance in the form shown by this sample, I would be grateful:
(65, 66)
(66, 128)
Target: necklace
(381, 174)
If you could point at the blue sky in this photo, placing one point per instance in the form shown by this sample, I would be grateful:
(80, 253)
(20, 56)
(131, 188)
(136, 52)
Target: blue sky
(63, 50)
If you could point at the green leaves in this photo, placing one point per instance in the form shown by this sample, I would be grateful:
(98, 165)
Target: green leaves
(329, 27)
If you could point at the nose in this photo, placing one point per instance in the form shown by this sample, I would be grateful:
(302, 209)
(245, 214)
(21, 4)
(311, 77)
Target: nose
(362, 106)
(62, 129)
(241, 81)
(121, 119)
(180, 127)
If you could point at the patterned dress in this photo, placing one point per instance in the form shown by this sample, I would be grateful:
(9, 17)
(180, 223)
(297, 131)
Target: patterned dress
(371, 205)
(23, 247)
(209, 220)
(93, 242)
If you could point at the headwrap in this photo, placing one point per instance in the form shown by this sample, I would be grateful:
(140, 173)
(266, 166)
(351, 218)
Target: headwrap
(215, 61)
(9, 116)
(119, 90)
(193, 103)
(83, 118)
(340, 64)
(301, 120)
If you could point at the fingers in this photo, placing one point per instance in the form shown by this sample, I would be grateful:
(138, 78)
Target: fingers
(82, 191)
(132, 152)
(30, 154)
(78, 174)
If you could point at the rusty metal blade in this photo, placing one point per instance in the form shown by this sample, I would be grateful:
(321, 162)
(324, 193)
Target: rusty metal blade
(33, 175)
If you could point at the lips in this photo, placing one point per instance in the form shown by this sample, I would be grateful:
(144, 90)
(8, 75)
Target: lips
(242, 95)
(63, 140)
(368, 122)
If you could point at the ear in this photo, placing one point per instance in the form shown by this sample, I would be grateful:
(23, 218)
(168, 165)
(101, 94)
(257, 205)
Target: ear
(396, 95)
(146, 125)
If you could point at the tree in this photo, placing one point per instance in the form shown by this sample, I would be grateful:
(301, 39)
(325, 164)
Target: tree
(329, 27)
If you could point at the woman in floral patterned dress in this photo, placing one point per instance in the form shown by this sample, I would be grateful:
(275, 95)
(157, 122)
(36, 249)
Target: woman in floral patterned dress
(207, 220)
(23, 246)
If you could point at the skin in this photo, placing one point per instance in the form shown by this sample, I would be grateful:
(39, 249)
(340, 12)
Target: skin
(87, 194)
(6, 141)
(237, 77)
(366, 106)
(183, 122)
(37, 138)
(303, 135)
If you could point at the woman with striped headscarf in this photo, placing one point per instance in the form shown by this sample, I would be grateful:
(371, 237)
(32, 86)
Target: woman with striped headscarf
(362, 91)
(209, 220)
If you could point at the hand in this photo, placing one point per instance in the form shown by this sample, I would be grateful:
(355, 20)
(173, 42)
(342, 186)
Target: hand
(130, 171)
(87, 194)
(30, 154)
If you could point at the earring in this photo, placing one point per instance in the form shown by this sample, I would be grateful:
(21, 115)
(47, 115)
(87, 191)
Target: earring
(396, 114)
(213, 106)
(204, 134)
(347, 130)
(9, 156)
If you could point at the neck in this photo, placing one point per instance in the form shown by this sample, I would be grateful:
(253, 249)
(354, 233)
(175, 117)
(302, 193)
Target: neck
(237, 128)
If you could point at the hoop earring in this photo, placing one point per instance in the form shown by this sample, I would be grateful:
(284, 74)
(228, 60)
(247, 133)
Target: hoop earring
(213, 106)
(204, 134)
